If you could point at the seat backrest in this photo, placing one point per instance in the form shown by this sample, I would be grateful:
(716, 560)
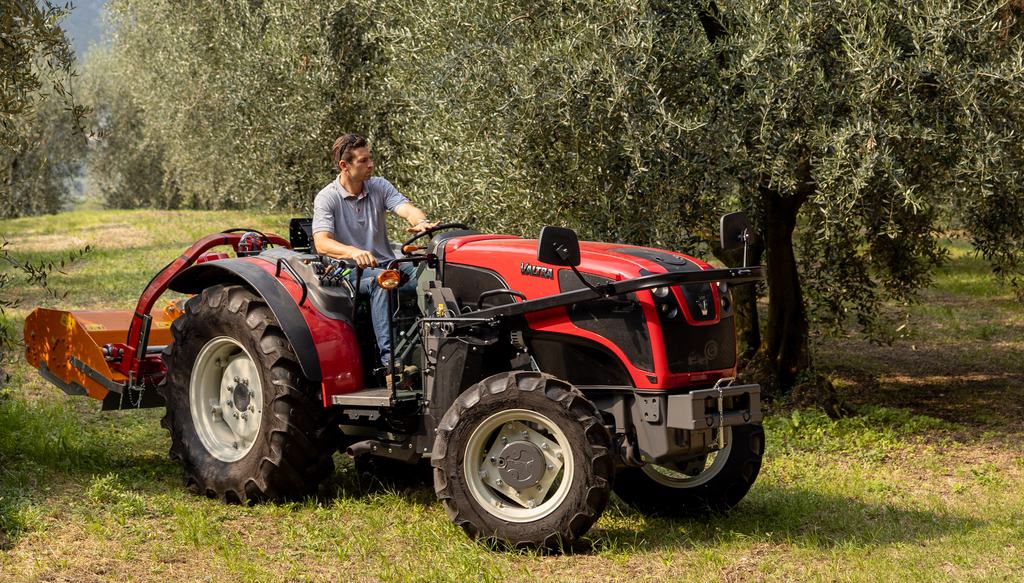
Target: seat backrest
(300, 234)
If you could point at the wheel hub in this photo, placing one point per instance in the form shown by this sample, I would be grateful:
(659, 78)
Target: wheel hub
(240, 395)
(226, 399)
(521, 464)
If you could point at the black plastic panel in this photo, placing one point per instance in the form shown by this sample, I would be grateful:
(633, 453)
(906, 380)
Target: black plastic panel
(698, 348)
(577, 360)
(620, 319)
(467, 283)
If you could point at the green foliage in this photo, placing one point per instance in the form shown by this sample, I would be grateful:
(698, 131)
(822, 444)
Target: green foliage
(40, 131)
(622, 120)
(639, 121)
(125, 163)
(224, 105)
(35, 274)
(38, 173)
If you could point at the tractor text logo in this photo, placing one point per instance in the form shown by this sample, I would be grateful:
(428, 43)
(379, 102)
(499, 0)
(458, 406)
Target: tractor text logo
(536, 270)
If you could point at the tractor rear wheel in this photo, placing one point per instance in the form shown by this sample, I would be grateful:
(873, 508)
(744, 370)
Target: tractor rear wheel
(244, 422)
(712, 483)
(521, 458)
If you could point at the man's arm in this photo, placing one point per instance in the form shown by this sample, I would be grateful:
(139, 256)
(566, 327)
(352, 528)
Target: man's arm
(326, 245)
(416, 218)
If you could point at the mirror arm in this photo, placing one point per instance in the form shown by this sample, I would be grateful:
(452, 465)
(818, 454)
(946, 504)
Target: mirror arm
(746, 239)
(607, 288)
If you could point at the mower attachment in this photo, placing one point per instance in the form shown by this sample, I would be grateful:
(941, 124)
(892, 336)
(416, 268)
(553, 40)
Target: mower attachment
(67, 347)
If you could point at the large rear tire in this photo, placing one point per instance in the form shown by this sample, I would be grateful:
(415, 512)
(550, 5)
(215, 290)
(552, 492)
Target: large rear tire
(521, 458)
(713, 483)
(245, 423)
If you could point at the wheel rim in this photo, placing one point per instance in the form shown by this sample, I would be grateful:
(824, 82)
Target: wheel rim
(680, 476)
(501, 468)
(226, 399)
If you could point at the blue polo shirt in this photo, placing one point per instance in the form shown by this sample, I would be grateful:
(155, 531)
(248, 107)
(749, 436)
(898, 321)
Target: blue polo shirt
(358, 220)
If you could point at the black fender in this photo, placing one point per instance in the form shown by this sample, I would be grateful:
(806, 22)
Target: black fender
(240, 271)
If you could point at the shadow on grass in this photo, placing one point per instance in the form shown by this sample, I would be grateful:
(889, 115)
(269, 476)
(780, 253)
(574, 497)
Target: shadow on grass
(784, 514)
(975, 383)
(771, 514)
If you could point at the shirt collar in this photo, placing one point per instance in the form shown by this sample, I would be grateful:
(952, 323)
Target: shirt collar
(345, 193)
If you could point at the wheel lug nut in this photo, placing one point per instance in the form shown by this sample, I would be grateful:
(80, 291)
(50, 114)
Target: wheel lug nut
(525, 434)
(504, 439)
(236, 414)
(499, 482)
(252, 408)
(483, 473)
(544, 445)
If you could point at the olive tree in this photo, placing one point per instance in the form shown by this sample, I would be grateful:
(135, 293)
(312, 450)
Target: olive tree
(40, 133)
(848, 130)
(232, 104)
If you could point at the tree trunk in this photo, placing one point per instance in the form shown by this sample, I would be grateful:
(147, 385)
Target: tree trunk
(744, 299)
(787, 349)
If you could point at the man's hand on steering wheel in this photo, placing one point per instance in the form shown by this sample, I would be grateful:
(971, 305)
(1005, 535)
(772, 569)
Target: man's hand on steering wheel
(425, 229)
(421, 226)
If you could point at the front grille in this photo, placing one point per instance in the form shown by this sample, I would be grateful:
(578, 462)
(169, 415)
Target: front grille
(696, 348)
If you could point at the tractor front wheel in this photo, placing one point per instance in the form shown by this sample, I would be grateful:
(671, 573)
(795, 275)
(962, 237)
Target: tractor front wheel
(244, 422)
(522, 458)
(710, 483)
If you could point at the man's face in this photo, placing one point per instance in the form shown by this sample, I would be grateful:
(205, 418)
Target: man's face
(361, 166)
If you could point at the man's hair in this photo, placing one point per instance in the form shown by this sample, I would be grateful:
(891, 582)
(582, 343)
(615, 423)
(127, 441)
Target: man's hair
(343, 147)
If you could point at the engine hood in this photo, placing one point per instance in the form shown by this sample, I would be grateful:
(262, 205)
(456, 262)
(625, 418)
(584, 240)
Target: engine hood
(515, 259)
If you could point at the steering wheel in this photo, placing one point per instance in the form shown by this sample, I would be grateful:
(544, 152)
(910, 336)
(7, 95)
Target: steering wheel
(431, 231)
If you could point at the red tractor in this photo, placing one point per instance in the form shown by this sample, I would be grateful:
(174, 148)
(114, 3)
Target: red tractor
(537, 376)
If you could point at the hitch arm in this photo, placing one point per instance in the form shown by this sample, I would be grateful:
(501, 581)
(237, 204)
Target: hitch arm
(138, 331)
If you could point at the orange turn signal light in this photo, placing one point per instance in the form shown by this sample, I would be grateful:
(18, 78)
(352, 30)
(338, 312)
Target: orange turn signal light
(407, 249)
(389, 278)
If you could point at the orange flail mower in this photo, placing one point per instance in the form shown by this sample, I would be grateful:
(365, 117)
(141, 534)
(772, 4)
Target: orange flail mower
(68, 348)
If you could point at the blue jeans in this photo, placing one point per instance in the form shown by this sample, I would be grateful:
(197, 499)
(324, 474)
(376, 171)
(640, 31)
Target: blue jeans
(379, 303)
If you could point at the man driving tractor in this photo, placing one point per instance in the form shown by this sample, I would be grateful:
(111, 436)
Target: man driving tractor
(349, 223)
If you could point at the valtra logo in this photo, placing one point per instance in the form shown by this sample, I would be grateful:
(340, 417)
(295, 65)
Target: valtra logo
(536, 271)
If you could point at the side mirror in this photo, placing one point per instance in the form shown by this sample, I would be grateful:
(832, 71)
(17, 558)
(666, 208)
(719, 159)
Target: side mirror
(736, 232)
(558, 246)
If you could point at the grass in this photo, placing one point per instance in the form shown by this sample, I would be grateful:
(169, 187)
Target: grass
(925, 483)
